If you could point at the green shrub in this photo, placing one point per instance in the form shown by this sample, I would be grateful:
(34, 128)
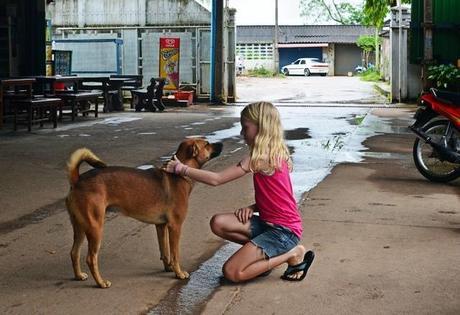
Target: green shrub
(370, 75)
(262, 72)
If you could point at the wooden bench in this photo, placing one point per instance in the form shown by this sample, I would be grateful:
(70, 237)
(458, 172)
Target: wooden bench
(132, 82)
(22, 86)
(36, 110)
(79, 103)
(150, 98)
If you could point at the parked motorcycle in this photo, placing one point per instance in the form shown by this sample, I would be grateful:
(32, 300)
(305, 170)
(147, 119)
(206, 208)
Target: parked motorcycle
(436, 150)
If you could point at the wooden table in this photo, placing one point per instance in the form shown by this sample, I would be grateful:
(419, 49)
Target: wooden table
(107, 85)
(18, 84)
(51, 80)
(72, 97)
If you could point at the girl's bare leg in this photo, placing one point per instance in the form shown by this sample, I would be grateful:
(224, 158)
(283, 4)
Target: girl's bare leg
(228, 227)
(249, 262)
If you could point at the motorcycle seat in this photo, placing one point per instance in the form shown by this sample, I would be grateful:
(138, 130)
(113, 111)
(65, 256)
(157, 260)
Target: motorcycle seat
(446, 97)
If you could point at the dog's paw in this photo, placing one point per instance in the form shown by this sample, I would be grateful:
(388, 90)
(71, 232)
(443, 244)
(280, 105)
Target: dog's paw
(81, 277)
(105, 284)
(182, 275)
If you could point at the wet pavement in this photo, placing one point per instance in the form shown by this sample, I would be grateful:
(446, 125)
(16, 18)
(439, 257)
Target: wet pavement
(313, 90)
(36, 235)
(334, 136)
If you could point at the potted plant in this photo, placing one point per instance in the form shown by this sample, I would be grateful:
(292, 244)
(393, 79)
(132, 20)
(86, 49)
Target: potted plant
(445, 77)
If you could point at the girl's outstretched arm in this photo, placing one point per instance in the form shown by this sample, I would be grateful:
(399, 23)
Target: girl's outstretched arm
(211, 178)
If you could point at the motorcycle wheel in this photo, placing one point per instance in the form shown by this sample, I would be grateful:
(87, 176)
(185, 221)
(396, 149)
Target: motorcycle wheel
(427, 160)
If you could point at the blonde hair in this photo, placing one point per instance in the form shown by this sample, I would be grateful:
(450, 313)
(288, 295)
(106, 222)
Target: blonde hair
(269, 149)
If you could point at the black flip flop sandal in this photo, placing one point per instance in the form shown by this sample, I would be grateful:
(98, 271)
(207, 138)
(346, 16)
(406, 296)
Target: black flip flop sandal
(302, 267)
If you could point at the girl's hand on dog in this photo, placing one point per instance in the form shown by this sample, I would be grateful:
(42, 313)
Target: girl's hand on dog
(175, 166)
(171, 165)
(244, 214)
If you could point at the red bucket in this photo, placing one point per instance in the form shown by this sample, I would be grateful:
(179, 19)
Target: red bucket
(184, 96)
(59, 86)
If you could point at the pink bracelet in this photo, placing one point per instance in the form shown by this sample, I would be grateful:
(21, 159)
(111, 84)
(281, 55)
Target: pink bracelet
(176, 171)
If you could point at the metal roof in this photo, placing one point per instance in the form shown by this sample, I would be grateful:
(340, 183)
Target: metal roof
(301, 33)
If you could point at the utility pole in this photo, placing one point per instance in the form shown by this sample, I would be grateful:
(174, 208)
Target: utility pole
(276, 56)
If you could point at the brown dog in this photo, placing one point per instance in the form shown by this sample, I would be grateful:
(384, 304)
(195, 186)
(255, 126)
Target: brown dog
(152, 196)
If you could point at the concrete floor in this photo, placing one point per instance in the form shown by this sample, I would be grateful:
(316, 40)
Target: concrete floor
(386, 239)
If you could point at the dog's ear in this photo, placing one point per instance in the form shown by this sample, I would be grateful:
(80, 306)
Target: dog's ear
(195, 149)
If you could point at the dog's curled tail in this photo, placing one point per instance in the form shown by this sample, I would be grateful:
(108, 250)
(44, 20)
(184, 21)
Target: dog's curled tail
(79, 156)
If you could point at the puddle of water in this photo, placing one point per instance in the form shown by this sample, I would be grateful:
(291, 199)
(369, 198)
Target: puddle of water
(383, 155)
(333, 136)
(117, 120)
(230, 133)
(313, 161)
(297, 134)
(114, 121)
(191, 297)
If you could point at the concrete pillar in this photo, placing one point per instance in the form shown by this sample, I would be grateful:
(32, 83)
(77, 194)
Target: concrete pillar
(398, 55)
(331, 59)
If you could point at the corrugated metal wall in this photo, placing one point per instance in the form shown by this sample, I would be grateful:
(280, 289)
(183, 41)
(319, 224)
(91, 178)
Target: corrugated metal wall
(137, 25)
(446, 32)
(127, 12)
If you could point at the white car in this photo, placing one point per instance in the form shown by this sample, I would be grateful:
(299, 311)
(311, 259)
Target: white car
(306, 66)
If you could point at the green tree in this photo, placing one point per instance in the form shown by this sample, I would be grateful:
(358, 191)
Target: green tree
(367, 44)
(375, 12)
(339, 11)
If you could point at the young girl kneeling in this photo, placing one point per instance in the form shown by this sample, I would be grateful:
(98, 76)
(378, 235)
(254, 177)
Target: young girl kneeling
(272, 237)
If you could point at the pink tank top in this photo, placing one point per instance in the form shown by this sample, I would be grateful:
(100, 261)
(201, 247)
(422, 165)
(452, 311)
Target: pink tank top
(275, 199)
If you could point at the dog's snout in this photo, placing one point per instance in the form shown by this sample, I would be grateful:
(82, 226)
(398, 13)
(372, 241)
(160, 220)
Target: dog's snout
(216, 149)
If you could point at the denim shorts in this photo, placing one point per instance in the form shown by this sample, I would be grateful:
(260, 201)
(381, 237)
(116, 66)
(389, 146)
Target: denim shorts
(274, 240)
